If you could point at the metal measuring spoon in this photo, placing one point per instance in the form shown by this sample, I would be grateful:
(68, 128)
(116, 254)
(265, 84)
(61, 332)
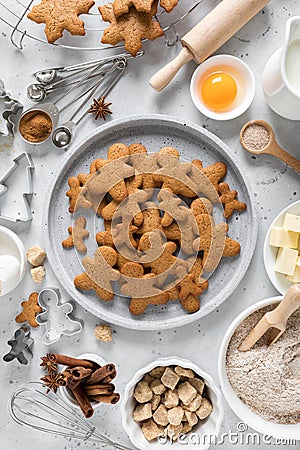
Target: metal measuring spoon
(52, 109)
(271, 147)
(46, 76)
(37, 92)
(63, 135)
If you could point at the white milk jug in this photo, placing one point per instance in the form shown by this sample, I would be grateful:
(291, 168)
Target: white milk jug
(281, 75)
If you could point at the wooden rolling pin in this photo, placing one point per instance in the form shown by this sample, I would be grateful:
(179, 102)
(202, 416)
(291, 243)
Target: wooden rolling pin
(209, 35)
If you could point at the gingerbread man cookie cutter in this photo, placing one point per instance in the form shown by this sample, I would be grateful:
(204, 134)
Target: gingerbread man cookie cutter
(9, 177)
(56, 316)
(9, 108)
(21, 345)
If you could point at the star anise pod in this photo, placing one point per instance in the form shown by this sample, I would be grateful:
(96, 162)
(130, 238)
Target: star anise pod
(53, 382)
(48, 365)
(100, 108)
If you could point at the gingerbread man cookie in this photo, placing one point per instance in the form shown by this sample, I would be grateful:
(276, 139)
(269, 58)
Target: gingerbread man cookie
(77, 195)
(78, 234)
(99, 273)
(30, 310)
(229, 200)
(136, 282)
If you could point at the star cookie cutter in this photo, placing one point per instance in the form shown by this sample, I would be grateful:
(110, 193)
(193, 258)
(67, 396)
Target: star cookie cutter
(56, 316)
(10, 176)
(21, 345)
(9, 108)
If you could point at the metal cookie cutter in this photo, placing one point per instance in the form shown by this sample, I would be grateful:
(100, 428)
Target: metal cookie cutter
(9, 108)
(9, 177)
(21, 345)
(56, 316)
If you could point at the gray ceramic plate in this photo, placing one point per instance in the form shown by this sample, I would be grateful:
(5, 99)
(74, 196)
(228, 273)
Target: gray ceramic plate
(154, 132)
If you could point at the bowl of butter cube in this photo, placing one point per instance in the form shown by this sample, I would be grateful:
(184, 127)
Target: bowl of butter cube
(282, 248)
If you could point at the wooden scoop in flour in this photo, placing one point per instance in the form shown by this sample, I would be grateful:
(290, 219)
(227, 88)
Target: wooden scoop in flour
(209, 35)
(275, 319)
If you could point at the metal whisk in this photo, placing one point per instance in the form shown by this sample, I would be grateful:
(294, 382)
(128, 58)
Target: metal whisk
(32, 406)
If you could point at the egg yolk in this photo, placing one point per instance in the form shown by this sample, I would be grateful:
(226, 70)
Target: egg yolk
(218, 91)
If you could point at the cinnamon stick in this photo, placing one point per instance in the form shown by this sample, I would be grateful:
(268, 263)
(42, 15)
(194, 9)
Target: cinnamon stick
(72, 362)
(101, 374)
(98, 389)
(112, 399)
(83, 401)
(79, 373)
(110, 377)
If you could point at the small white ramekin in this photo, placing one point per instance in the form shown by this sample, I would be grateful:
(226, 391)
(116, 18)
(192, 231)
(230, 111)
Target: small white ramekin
(67, 394)
(210, 426)
(246, 415)
(11, 244)
(245, 74)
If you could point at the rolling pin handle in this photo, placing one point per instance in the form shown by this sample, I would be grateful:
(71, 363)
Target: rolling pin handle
(163, 77)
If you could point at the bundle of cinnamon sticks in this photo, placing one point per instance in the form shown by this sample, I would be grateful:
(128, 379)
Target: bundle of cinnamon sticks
(86, 380)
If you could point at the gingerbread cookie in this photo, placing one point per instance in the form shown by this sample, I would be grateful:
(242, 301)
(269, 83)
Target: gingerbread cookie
(111, 178)
(30, 310)
(78, 234)
(144, 164)
(168, 5)
(201, 206)
(229, 200)
(131, 27)
(173, 207)
(213, 242)
(99, 273)
(122, 6)
(173, 174)
(60, 15)
(143, 234)
(77, 195)
(133, 286)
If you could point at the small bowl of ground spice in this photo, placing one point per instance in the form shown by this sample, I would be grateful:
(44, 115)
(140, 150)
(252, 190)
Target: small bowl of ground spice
(262, 385)
(36, 125)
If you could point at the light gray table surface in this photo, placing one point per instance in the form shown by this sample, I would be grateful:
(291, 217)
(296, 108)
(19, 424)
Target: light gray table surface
(274, 187)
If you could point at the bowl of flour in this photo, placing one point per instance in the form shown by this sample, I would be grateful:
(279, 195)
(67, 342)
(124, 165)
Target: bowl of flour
(262, 385)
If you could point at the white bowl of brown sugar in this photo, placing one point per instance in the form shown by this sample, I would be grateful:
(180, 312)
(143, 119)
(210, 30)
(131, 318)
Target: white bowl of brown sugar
(262, 385)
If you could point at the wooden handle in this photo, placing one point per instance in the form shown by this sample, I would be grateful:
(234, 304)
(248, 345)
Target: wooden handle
(163, 77)
(286, 307)
(278, 151)
(219, 25)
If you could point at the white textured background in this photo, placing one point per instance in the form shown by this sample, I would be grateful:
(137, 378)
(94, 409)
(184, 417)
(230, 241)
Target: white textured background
(274, 186)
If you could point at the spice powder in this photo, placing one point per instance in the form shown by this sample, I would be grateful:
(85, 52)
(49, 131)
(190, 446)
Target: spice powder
(35, 126)
(267, 379)
(256, 137)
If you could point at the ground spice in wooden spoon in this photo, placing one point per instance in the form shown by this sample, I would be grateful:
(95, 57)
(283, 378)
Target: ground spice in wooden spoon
(256, 137)
(35, 126)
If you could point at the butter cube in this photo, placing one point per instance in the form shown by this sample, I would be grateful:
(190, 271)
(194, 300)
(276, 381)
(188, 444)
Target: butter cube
(292, 222)
(286, 261)
(296, 277)
(280, 237)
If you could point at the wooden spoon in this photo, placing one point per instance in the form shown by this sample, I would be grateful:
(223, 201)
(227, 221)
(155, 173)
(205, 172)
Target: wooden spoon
(275, 320)
(272, 147)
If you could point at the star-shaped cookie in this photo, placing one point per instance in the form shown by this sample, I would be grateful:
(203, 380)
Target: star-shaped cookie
(131, 27)
(60, 15)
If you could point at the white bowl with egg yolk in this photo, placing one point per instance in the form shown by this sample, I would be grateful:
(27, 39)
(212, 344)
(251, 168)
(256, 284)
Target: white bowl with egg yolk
(222, 87)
